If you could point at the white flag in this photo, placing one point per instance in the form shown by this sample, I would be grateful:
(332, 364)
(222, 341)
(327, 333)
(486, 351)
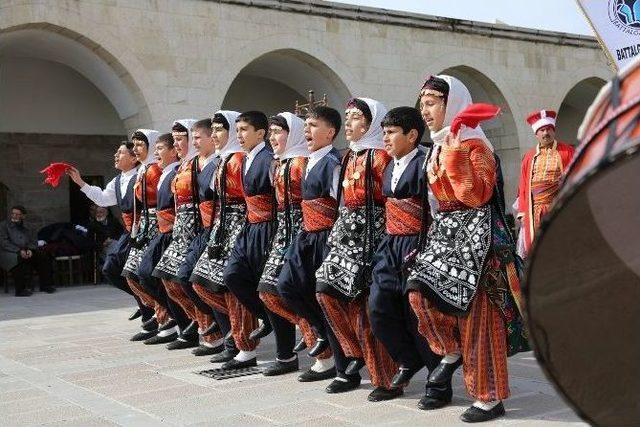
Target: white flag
(617, 26)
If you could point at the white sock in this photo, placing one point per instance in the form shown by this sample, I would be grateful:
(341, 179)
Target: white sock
(216, 343)
(451, 358)
(243, 356)
(322, 365)
(291, 359)
(167, 332)
(486, 406)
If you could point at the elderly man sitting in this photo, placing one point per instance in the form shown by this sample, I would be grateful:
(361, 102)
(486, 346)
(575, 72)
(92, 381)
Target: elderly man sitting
(19, 253)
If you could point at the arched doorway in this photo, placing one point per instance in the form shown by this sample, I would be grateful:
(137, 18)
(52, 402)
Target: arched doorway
(574, 106)
(61, 99)
(502, 131)
(274, 82)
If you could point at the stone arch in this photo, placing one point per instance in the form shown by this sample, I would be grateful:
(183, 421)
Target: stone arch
(65, 46)
(574, 106)
(502, 131)
(281, 77)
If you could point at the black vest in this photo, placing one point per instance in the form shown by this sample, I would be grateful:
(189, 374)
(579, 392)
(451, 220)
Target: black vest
(318, 182)
(257, 181)
(125, 202)
(165, 198)
(411, 183)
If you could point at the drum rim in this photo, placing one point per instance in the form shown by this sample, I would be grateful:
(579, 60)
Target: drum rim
(564, 198)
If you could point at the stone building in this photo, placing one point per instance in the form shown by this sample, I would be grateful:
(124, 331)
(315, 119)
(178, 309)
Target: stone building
(77, 76)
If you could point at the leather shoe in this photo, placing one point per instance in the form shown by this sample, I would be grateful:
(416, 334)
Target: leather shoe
(340, 386)
(236, 364)
(135, 314)
(428, 403)
(168, 325)
(205, 350)
(354, 366)
(24, 293)
(144, 335)
(320, 346)
(443, 372)
(191, 329)
(281, 368)
(48, 289)
(380, 394)
(150, 325)
(262, 331)
(161, 340)
(311, 376)
(403, 376)
(477, 415)
(300, 346)
(212, 329)
(179, 344)
(225, 356)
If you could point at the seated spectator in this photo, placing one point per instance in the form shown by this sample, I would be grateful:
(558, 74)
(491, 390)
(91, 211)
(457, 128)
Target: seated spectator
(104, 230)
(20, 252)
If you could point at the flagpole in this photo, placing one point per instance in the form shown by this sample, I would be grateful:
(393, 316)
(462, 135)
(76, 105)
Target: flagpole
(603, 46)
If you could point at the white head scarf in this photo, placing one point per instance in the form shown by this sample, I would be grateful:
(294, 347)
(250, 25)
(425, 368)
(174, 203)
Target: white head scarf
(296, 145)
(459, 98)
(373, 137)
(232, 145)
(192, 152)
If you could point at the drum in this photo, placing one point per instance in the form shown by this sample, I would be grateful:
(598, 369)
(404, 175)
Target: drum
(582, 286)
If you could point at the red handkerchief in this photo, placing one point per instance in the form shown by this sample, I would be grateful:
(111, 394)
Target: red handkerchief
(473, 115)
(54, 172)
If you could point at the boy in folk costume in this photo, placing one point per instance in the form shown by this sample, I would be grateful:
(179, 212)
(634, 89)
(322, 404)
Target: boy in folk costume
(345, 276)
(208, 274)
(118, 192)
(168, 313)
(286, 135)
(540, 174)
(297, 280)
(463, 282)
(186, 227)
(407, 216)
(246, 261)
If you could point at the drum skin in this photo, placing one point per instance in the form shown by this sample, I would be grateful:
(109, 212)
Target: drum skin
(582, 285)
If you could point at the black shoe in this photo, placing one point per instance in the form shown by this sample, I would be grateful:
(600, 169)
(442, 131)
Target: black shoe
(311, 376)
(403, 376)
(162, 340)
(262, 331)
(281, 368)
(212, 329)
(48, 289)
(443, 372)
(144, 335)
(150, 325)
(135, 314)
(320, 346)
(225, 356)
(380, 393)
(168, 325)
(182, 343)
(236, 364)
(205, 350)
(300, 346)
(354, 366)
(339, 386)
(191, 329)
(24, 293)
(428, 403)
(477, 415)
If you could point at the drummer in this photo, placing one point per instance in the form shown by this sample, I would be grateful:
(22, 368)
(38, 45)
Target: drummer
(540, 174)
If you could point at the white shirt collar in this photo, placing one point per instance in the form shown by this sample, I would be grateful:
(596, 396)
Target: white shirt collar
(404, 160)
(129, 173)
(316, 156)
(252, 155)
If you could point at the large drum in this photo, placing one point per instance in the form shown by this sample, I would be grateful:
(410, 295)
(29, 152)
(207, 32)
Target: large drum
(583, 281)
